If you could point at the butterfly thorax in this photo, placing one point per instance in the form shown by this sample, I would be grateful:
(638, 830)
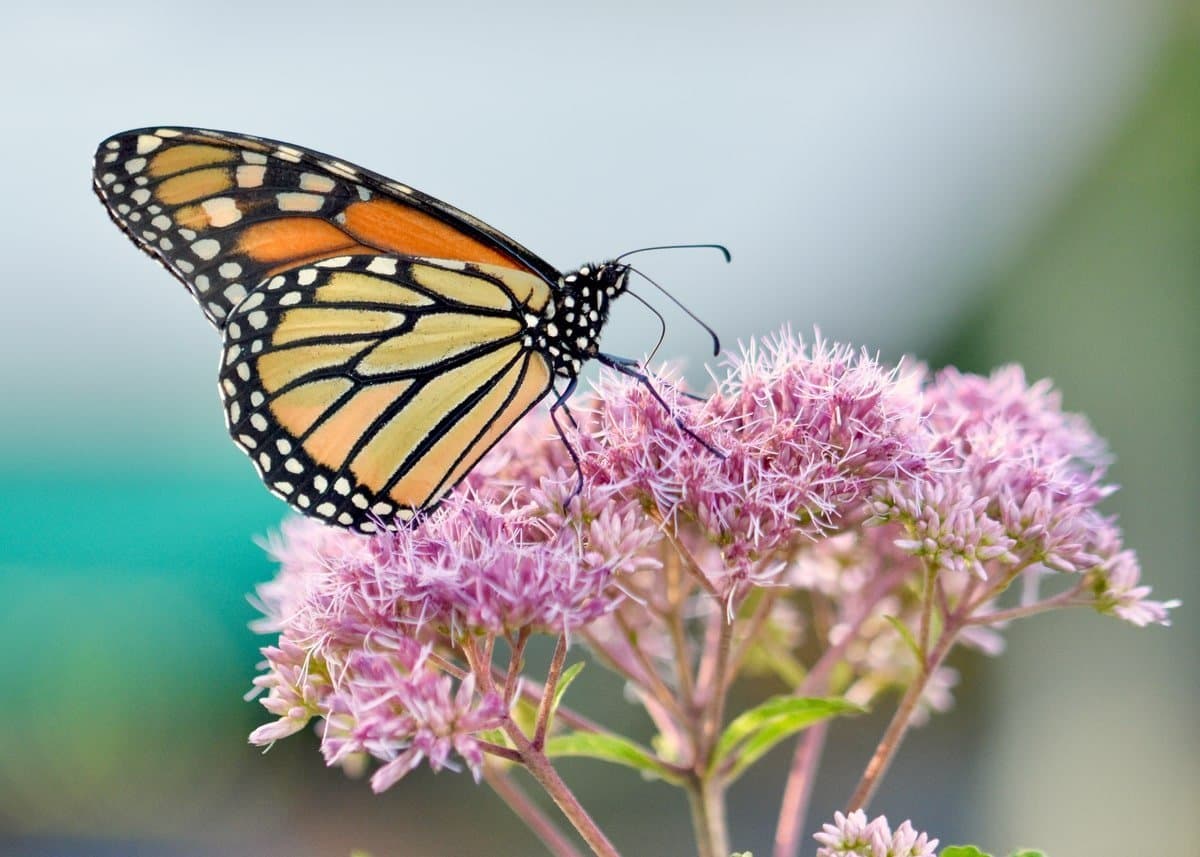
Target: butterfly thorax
(568, 330)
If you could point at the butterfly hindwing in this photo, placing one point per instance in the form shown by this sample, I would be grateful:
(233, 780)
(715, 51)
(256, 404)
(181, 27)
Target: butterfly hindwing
(224, 212)
(366, 386)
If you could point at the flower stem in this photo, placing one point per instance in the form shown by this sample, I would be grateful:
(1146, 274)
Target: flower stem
(530, 813)
(551, 689)
(541, 770)
(706, 800)
(753, 626)
(689, 562)
(500, 751)
(676, 595)
(705, 788)
(1065, 599)
(926, 628)
(715, 687)
(533, 691)
(798, 791)
(896, 730)
(516, 660)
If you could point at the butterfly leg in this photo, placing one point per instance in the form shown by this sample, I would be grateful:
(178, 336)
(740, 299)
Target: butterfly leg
(633, 369)
(560, 404)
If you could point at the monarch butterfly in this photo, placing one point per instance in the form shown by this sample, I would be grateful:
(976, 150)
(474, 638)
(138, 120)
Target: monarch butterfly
(377, 341)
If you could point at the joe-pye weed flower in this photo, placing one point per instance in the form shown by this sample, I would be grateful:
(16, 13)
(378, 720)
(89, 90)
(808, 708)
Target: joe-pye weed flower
(861, 521)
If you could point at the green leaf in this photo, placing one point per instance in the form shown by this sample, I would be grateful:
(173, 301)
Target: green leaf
(906, 634)
(610, 748)
(963, 851)
(525, 714)
(1026, 852)
(752, 733)
(564, 681)
(496, 736)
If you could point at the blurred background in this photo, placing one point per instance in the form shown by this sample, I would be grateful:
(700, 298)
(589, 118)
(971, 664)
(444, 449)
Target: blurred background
(970, 183)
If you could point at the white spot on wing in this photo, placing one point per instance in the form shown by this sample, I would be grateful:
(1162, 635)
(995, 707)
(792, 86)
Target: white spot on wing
(382, 265)
(221, 211)
(147, 143)
(206, 248)
(316, 182)
(299, 201)
(250, 176)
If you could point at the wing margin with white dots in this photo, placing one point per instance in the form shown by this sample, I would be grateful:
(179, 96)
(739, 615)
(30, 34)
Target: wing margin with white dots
(224, 211)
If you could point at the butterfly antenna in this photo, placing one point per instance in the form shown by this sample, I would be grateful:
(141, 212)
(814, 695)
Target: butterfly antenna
(662, 324)
(716, 341)
(721, 247)
(631, 368)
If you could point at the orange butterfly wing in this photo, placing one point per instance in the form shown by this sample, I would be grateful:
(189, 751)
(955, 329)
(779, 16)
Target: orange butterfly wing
(223, 212)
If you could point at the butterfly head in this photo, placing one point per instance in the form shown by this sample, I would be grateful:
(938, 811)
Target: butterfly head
(569, 329)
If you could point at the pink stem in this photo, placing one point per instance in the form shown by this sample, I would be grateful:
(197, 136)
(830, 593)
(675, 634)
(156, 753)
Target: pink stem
(530, 813)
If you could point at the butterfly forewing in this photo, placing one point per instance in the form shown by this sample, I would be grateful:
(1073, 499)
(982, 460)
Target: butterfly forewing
(223, 212)
(364, 387)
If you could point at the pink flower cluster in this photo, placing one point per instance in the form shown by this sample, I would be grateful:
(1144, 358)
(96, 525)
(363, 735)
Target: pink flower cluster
(854, 836)
(838, 478)
(359, 617)
(807, 435)
(1017, 490)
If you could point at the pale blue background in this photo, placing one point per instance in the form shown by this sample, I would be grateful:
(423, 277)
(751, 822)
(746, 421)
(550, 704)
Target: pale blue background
(967, 182)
